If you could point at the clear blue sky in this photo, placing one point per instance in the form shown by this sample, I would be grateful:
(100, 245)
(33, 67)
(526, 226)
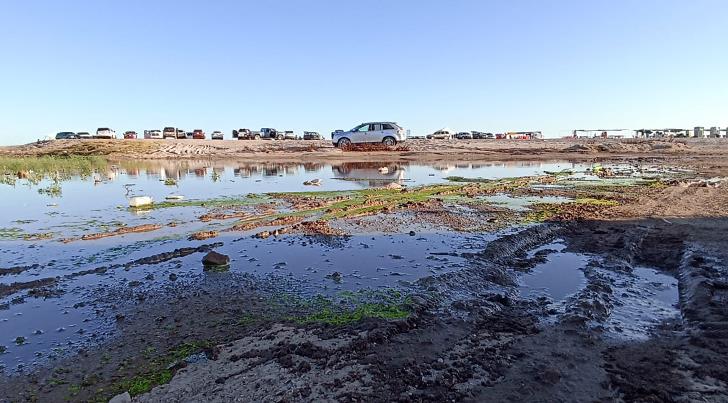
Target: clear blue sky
(323, 65)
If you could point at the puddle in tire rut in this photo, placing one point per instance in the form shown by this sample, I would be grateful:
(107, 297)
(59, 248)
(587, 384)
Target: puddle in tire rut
(557, 278)
(83, 314)
(643, 299)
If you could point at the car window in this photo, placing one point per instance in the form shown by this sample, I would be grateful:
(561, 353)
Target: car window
(387, 126)
(362, 128)
(376, 126)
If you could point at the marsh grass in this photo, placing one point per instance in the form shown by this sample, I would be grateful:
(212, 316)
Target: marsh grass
(35, 169)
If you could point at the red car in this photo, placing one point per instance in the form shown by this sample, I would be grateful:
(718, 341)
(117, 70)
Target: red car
(130, 135)
(198, 134)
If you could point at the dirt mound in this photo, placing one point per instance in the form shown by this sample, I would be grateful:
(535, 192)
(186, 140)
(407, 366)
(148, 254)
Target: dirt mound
(626, 147)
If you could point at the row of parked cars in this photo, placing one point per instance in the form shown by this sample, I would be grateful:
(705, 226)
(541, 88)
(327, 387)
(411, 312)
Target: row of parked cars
(448, 134)
(198, 134)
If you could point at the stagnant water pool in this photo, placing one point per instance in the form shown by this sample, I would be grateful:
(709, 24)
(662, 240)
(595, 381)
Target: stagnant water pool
(38, 327)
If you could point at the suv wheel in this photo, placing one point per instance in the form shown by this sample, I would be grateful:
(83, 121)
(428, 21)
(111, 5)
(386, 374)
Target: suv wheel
(343, 143)
(389, 141)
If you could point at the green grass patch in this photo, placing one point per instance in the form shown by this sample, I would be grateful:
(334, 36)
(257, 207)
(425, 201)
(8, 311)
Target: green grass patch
(468, 180)
(348, 307)
(158, 370)
(220, 202)
(595, 202)
(341, 317)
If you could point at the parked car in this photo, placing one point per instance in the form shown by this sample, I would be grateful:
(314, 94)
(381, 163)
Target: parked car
(289, 135)
(181, 134)
(464, 136)
(66, 136)
(153, 134)
(271, 133)
(169, 133)
(130, 135)
(311, 136)
(442, 134)
(387, 133)
(246, 134)
(84, 135)
(217, 135)
(198, 134)
(105, 133)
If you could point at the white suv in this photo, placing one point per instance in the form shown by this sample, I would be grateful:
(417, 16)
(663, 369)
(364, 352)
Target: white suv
(105, 133)
(387, 133)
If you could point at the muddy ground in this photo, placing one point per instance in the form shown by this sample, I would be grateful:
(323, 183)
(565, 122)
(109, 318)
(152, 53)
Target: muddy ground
(412, 150)
(471, 334)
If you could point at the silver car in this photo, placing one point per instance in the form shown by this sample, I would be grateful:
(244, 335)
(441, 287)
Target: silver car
(387, 133)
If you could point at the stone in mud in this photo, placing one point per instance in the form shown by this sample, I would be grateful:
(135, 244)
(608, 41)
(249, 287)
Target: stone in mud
(121, 398)
(549, 376)
(172, 277)
(280, 231)
(262, 235)
(313, 182)
(216, 259)
(412, 233)
(202, 235)
(336, 276)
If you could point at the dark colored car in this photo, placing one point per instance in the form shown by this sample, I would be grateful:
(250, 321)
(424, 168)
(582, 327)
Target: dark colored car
(246, 134)
(271, 133)
(130, 135)
(198, 134)
(66, 136)
(482, 136)
(311, 136)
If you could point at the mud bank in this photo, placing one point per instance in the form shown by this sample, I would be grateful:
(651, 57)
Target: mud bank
(412, 150)
(471, 338)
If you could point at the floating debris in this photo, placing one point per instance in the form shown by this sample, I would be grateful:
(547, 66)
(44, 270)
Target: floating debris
(140, 201)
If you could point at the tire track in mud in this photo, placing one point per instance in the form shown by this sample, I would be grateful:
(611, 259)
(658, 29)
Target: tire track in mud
(684, 357)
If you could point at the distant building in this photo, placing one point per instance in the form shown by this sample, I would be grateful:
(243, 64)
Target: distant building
(535, 135)
(661, 133)
(600, 133)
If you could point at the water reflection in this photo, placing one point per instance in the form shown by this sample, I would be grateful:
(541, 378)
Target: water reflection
(370, 173)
